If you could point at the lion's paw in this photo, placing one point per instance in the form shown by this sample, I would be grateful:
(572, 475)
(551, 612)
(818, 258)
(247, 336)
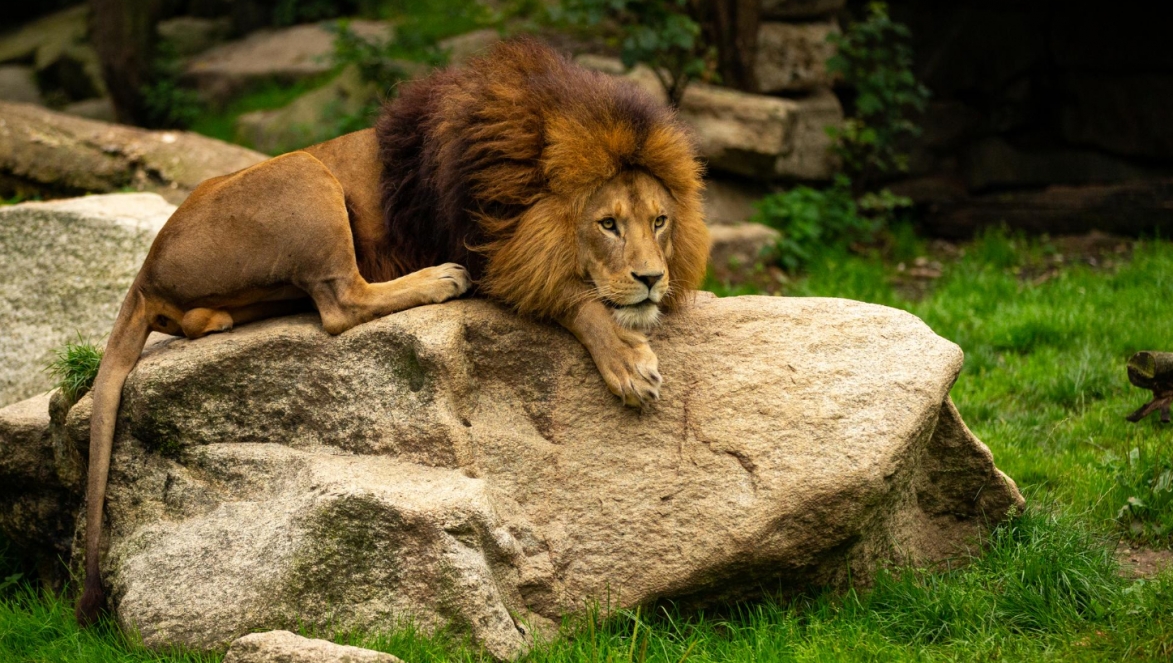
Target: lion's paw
(632, 373)
(444, 282)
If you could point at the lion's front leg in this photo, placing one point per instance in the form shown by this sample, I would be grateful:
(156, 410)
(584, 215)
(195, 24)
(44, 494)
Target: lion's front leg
(623, 357)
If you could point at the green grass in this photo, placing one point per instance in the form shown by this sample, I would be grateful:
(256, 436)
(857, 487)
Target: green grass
(74, 367)
(1043, 385)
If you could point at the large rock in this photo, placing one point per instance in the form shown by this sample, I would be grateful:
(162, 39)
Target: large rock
(56, 46)
(463, 467)
(309, 119)
(793, 56)
(53, 154)
(750, 135)
(285, 54)
(286, 647)
(65, 267)
(729, 201)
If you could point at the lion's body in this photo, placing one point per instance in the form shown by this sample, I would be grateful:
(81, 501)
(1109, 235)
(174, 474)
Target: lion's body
(568, 194)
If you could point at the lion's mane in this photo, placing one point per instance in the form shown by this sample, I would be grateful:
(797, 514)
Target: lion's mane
(490, 165)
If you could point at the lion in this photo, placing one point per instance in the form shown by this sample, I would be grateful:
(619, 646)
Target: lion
(563, 193)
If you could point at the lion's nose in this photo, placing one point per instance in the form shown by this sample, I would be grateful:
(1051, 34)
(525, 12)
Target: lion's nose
(650, 279)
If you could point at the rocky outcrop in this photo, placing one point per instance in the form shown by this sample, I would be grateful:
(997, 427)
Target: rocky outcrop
(53, 154)
(792, 57)
(65, 267)
(461, 467)
(286, 647)
(751, 135)
(286, 54)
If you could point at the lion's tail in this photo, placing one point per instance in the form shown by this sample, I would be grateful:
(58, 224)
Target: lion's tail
(122, 351)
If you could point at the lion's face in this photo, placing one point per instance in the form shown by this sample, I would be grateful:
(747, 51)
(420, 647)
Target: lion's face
(624, 241)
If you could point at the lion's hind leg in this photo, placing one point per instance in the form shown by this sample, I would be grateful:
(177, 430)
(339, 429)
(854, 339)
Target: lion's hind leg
(344, 305)
(200, 322)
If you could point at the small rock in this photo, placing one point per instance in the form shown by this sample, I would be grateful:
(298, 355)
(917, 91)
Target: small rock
(739, 245)
(190, 35)
(286, 647)
(793, 56)
(801, 9)
(100, 108)
(19, 84)
(470, 44)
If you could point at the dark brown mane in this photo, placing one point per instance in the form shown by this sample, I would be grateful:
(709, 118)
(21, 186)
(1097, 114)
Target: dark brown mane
(499, 155)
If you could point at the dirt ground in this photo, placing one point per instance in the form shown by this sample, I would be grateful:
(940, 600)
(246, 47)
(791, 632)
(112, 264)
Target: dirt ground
(1143, 562)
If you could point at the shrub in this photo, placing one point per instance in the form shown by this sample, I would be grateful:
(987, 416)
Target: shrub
(874, 58)
(814, 220)
(168, 104)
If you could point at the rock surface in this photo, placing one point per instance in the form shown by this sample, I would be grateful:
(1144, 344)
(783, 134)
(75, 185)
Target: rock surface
(739, 245)
(286, 54)
(37, 508)
(751, 135)
(309, 119)
(286, 647)
(65, 267)
(793, 56)
(459, 466)
(54, 154)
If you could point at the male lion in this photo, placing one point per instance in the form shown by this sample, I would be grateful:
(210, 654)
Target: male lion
(567, 194)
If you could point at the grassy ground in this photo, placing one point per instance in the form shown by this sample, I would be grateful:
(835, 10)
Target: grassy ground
(1043, 384)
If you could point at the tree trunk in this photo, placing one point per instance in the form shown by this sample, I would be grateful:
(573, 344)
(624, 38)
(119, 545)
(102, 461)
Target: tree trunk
(123, 34)
(732, 25)
(1152, 371)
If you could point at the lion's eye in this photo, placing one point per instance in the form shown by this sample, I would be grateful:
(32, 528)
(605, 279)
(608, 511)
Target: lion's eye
(660, 221)
(608, 224)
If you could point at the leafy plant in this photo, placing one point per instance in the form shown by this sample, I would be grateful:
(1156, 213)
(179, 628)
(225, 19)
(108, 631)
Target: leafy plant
(659, 33)
(75, 366)
(874, 58)
(1147, 481)
(814, 220)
